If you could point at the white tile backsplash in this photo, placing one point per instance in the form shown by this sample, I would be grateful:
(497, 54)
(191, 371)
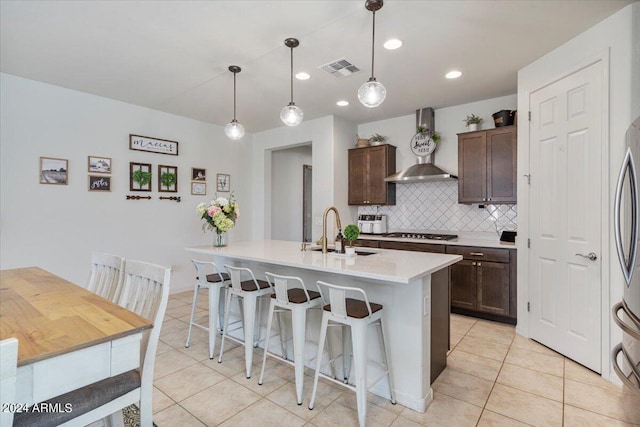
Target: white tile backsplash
(434, 206)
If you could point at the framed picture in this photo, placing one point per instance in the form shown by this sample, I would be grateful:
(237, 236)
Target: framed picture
(99, 183)
(153, 145)
(198, 188)
(54, 171)
(198, 174)
(167, 179)
(99, 164)
(223, 182)
(140, 176)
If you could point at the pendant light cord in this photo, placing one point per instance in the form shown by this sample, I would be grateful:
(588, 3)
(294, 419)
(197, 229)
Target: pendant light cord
(291, 74)
(373, 43)
(234, 97)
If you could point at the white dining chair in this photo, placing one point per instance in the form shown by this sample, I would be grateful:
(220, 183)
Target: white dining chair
(106, 275)
(8, 370)
(145, 291)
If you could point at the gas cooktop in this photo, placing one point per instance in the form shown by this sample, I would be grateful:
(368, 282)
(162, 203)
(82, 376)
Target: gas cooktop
(426, 236)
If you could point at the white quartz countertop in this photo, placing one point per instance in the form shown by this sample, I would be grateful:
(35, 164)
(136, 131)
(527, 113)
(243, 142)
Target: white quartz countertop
(384, 264)
(476, 239)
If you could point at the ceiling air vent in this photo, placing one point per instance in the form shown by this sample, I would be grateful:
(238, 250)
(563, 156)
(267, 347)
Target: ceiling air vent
(340, 68)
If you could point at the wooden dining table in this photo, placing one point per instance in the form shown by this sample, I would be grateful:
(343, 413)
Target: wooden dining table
(68, 337)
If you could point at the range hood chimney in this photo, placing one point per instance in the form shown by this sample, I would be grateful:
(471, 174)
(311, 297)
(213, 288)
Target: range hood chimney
(424, 170)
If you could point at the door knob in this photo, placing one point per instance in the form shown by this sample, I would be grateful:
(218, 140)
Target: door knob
(590, 256)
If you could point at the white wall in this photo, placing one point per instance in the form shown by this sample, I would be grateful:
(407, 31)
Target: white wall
(318, 132)
(57, 227)
(615, 39)
(286, 192)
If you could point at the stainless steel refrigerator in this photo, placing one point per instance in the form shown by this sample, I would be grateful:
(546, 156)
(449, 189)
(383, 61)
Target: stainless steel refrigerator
(626, 313)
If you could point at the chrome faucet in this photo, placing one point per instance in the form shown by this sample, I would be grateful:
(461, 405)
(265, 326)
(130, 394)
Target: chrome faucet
(324, 239)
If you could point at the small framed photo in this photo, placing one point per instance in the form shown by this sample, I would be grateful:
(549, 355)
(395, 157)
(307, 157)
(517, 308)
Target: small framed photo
(54, 171)
(99, 183)
(140, 176)
(99, 164)
(198, 174)
(223, 182)
(167, 179)
(198, 188)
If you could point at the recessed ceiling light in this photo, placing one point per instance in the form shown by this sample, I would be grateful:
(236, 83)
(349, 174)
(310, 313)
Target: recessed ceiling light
(453, 74)
(392, 44)
(303, 76)
(342, 103)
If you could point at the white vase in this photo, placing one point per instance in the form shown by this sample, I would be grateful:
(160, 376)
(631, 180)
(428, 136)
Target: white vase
(473, 126)
(350, 250)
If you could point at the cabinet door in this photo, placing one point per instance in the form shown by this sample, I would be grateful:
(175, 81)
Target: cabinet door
(378, 191)
(357, 176)
(501, 165)
(472, 167)
(411, 246)
(463, 284)
(493, 287)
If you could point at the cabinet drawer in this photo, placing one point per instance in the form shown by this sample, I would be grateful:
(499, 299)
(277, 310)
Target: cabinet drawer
(410, 246)
(481, 254)
(365, 243)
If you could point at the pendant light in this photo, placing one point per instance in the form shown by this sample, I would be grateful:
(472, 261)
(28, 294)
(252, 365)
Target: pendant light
(234, 130)
(291, 115)
(372, 93)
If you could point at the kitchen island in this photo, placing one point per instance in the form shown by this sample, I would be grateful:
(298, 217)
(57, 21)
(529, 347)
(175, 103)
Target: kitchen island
(412, 286)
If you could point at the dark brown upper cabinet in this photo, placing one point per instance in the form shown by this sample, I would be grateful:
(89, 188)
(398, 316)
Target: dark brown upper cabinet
(487, 166)
(368, 167)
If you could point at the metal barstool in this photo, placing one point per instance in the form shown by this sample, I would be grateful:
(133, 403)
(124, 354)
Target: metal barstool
(251, 291)
(297, 300)
(214, 283)
(357, 315)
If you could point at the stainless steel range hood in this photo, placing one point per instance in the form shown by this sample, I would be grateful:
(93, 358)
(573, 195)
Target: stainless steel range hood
(424, 170)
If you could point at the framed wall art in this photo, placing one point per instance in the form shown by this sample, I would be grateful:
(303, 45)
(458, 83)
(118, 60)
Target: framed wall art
(99, 164)
(167, 179)
(140, 176)
(198, 188)
(54, 171)
(223, 182)
(198, 174)
(153, 145)
(99, 183)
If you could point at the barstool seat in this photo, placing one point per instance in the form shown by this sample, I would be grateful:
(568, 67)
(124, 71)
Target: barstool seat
(354, 315)
(217, 277)
(251, 291)
(357, 308)
(296, 300)
(215, 282)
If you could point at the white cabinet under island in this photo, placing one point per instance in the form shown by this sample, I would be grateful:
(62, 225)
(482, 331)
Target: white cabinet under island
(413, 287)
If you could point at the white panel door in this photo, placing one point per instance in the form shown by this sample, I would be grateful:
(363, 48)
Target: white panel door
(565, 215)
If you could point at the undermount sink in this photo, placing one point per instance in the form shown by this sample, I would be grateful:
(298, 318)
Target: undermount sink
(363, 253)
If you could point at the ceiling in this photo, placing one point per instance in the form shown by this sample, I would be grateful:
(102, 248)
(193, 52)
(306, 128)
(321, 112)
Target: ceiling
(173, 55)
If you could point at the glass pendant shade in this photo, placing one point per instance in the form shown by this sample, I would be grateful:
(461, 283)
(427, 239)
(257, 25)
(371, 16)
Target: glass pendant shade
(291, 115)
(372, 93)
(234, 130)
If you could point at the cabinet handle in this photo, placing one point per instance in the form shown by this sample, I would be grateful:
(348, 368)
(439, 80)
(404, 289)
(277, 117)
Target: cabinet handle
(473, 263)
(476, 253)
(479, 264)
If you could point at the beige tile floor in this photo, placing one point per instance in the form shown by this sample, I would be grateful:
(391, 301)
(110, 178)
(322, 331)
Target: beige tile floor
(493, 378)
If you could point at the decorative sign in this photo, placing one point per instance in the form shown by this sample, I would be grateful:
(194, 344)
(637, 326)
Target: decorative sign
(99, 183)
(422, 144)
(153, 145)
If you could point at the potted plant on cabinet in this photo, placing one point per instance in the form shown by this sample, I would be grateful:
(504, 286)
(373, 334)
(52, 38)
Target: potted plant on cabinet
(472, 121)
(377, 139)
(351, 233)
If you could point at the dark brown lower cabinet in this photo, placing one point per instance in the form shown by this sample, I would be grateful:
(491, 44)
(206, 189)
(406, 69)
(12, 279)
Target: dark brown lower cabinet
(483, 284)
